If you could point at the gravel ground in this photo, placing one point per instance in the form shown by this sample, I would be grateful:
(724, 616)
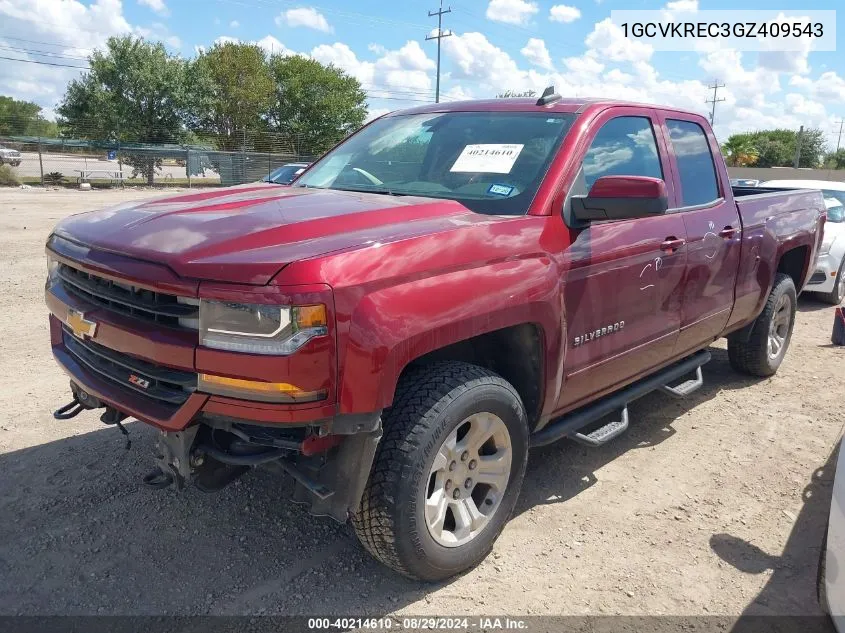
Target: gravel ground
(711, 505)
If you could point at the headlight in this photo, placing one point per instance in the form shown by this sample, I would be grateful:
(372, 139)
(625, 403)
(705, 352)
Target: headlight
(827, 243)
(52, 271)
(259, 329)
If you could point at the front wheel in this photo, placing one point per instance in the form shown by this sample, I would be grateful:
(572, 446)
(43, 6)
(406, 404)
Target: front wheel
(763, 352)
(447, 473)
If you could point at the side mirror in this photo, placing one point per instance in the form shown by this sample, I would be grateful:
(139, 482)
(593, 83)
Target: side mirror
(621, 198)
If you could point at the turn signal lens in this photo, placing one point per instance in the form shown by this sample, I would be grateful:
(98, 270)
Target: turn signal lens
(310, 316)
(256, 389)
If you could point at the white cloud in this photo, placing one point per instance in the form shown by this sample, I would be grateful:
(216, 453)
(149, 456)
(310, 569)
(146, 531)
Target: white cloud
(584, 67)
(234, 24)
(829, 87)
(374, 113)
(270, 44)
(564, 13)
(308, 17)
(511, 11)
(402, 70)
(535, 51)
(683, 6)
(157, 6)
(607, 41)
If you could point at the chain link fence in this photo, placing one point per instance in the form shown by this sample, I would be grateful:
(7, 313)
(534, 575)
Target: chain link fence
(66, 162)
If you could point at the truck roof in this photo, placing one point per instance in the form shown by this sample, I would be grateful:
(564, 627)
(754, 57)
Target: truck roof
(568, 104)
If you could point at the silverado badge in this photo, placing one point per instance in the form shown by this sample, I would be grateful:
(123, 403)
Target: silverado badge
(79, 325)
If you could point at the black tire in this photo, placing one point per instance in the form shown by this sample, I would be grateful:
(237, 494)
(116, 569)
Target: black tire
(821, 590)
(430, 402)
(752, 356)
(835, 296)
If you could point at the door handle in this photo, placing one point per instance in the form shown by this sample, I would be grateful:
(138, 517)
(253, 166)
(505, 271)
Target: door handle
(671, 244)
(728, 232)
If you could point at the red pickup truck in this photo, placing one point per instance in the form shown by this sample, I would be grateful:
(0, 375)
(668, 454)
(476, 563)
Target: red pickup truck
(446, 288)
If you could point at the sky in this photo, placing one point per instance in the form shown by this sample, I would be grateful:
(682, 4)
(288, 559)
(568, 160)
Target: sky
(495, 45)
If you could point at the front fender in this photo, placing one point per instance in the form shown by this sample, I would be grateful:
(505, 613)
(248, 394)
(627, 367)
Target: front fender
(390, 327)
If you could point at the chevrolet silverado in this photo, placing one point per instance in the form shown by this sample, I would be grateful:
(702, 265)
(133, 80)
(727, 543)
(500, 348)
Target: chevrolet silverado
(446, 288)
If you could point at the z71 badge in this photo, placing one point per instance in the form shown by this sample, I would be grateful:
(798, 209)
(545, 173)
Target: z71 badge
(143, 383)
(603, 331)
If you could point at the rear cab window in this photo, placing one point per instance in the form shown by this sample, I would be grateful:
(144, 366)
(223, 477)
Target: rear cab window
(696, 168)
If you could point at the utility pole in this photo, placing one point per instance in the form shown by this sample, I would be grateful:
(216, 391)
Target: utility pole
(839, 140)
(440, 35)
(798, 147)
(715, 88)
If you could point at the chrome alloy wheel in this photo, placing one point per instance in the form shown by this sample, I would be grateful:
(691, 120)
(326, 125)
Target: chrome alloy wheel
(779, 327)
(468, 479)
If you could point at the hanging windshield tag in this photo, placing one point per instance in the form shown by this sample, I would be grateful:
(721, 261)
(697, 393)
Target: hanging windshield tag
(491, 158)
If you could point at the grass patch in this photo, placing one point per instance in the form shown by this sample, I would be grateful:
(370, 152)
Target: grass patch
(8, 178)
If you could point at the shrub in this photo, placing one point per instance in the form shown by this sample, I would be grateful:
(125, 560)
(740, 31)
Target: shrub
(54, 178)
(8, 178)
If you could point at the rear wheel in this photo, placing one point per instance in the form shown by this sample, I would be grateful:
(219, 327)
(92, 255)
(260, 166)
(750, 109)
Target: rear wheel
(763, 352)
(836, 295)
(447, 473)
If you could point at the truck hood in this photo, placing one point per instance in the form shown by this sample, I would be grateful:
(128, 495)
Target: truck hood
(247, 234)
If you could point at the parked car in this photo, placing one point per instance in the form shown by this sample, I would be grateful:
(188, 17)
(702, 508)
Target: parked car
(831, 587)
(286, 174)
(450, 285)
(10, 156)
(744, 182)
(828, 279)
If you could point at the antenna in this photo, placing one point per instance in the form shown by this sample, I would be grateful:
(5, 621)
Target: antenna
(549, 96)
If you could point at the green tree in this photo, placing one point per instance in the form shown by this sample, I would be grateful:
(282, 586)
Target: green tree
(24, 118)
(835, 160)
(740, 151)
(232, 89)
(135, 92)
(776, 148)
(315, 106)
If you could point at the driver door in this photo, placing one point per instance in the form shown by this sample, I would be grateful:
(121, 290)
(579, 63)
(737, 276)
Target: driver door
(623, 282)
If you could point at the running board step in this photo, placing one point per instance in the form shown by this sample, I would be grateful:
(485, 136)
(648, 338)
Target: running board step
(687, 387)
(570, 424)
(604, 434)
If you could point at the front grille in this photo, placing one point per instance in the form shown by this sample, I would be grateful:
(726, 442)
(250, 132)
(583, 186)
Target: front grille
(140, 303)
(818, 277)
(165, 385)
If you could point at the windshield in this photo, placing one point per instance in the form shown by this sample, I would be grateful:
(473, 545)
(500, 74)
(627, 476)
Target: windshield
(835, 213)
(285, 174)
(492, 162)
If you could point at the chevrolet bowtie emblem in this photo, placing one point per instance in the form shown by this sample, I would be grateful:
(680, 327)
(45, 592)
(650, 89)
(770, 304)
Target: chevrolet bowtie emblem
(79, 325)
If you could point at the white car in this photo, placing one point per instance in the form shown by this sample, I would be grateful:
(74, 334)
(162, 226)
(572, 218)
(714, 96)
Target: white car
(832, 563)
(10, 156)
(828, 279)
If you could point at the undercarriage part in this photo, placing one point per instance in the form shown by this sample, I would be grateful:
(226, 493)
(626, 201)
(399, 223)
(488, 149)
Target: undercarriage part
(252, 459)
(346, 473)
(157, 479)
(174, 458)
(114, 417)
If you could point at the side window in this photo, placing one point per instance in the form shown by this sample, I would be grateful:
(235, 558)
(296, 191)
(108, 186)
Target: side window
(695, 162)
(624, 146)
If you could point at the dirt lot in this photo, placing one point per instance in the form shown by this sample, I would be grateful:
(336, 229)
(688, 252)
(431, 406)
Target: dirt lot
(713, 505)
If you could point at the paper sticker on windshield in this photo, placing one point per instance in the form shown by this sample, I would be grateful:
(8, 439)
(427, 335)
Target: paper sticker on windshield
(500, 190)
(491, 158)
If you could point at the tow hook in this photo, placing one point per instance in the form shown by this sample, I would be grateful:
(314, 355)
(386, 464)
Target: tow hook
(82, 401)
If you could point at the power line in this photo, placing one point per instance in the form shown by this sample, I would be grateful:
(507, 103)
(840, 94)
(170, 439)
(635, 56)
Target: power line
(715, 88)
(440, 35)
(31, 51)
(35, 61)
